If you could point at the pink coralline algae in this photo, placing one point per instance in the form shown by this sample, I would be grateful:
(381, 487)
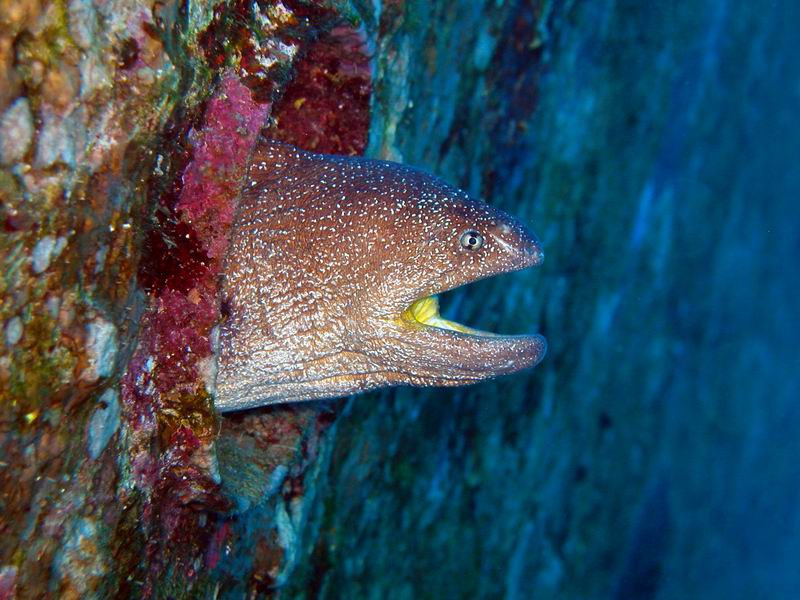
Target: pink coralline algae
(220, 148)
(326, 107)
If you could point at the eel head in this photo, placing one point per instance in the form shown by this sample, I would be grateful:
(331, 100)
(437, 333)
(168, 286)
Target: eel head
(332, 275)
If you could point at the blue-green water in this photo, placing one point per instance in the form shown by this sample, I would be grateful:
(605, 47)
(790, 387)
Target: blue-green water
(654, 453)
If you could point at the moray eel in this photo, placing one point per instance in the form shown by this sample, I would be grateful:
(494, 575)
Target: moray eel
(330, 279)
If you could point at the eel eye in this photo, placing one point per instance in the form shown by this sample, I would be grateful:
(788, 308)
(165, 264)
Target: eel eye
(471, 240)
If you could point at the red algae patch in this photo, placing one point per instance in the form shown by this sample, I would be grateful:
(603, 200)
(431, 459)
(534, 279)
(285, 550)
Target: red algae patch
(326, 107)
(210, 182)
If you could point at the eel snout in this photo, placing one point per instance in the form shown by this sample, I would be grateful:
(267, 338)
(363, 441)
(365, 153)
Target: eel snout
(450, 353)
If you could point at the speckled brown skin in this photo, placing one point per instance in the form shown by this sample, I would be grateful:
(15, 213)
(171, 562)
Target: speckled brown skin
(326, 255)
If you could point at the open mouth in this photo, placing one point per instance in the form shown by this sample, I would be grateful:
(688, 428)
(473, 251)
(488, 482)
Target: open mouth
(425, 311)
(446, 352)
(450, 353)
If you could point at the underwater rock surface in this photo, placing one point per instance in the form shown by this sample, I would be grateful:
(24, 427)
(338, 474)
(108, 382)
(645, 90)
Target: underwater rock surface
(651, 455)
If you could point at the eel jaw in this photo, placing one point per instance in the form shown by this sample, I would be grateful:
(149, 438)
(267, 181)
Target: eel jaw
(447, 353)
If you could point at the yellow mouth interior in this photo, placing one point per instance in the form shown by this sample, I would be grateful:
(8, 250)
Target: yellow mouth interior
(426, 312)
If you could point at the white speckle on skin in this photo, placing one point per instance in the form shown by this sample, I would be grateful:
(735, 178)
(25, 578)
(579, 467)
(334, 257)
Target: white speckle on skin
(45, 250)
(13, 331)
(16, 131)
(103, 423)
(504, 244)
(101, 347)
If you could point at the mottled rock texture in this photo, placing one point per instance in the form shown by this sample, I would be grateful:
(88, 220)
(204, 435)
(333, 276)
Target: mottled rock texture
(652, 455)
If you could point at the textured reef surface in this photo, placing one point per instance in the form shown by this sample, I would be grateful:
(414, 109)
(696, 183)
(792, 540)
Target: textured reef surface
(653, 453)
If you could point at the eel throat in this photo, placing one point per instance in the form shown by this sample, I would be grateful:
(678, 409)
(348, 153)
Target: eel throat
(324, 290)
